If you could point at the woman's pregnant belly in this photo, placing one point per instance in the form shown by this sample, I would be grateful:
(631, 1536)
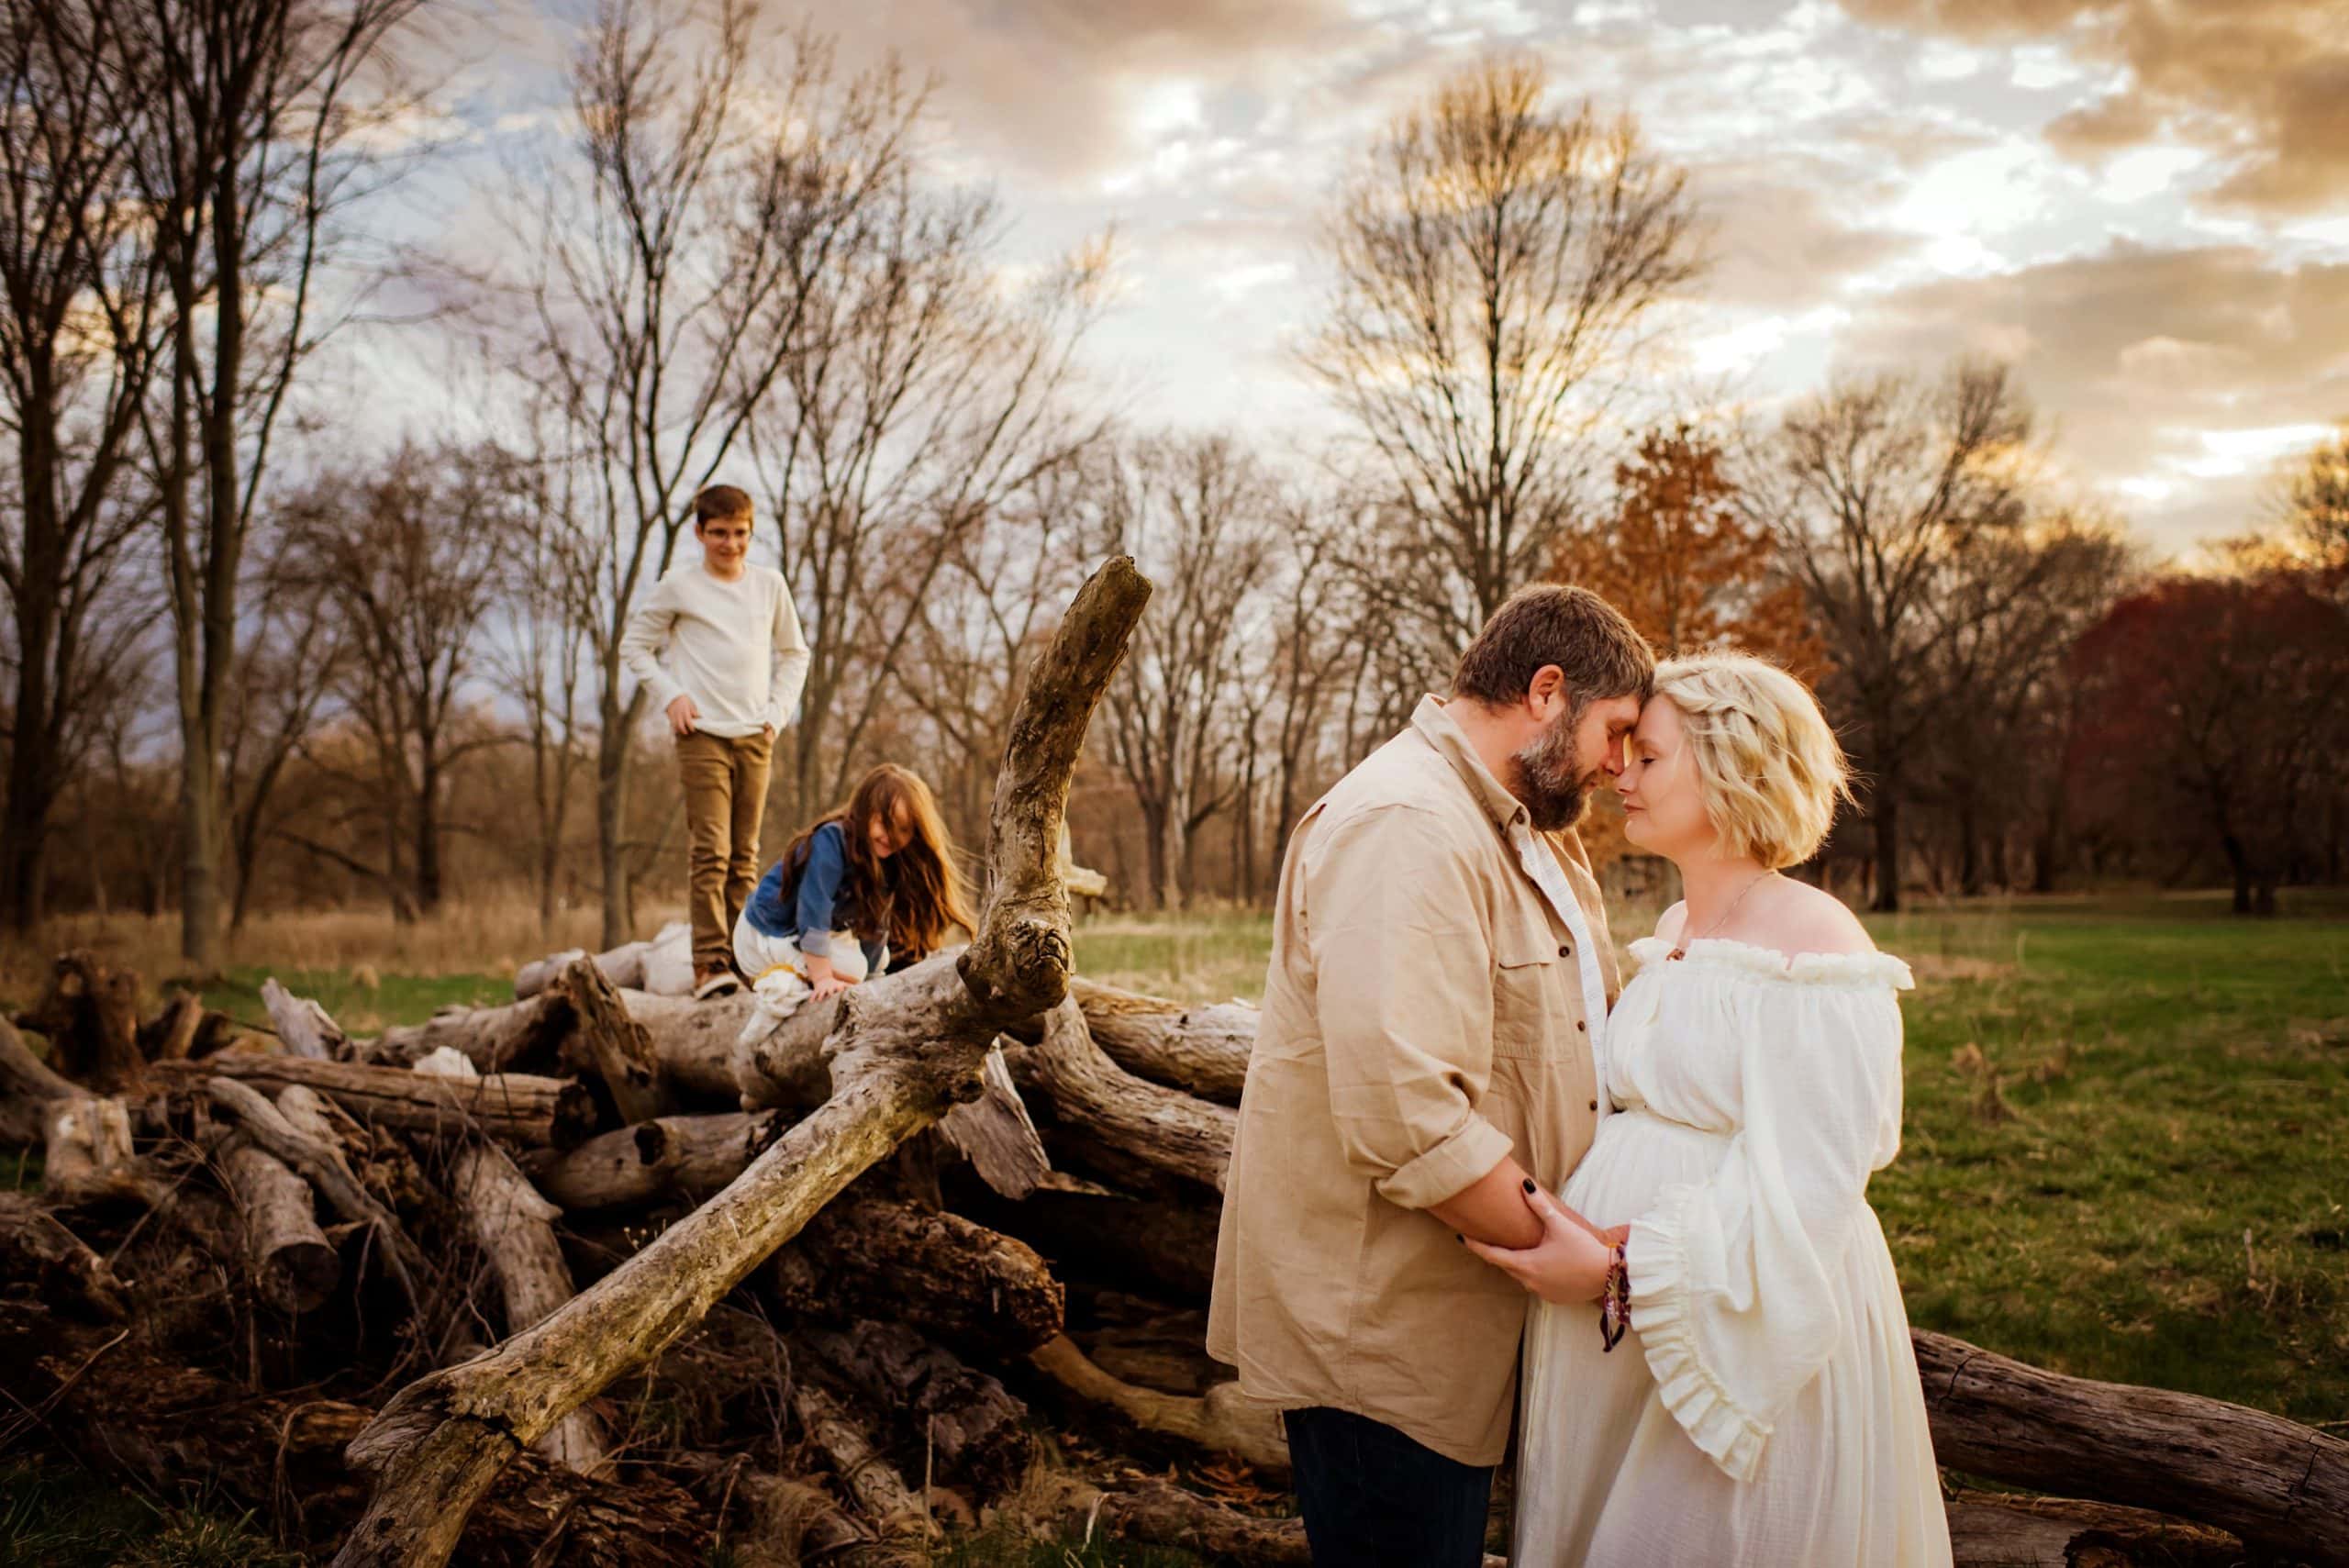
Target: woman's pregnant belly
(1635, 1157)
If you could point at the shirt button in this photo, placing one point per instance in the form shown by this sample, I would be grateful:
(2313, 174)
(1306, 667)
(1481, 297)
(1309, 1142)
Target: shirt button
(1594, 1105)
(1580, 1024)
(1566, 952)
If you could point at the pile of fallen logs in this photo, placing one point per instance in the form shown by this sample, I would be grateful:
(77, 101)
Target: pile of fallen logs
(596, 1276)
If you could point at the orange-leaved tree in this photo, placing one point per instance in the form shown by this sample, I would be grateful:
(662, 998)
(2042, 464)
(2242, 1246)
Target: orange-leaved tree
(1677, 554)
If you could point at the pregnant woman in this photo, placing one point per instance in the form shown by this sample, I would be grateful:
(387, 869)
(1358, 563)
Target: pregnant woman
(1725, 1377)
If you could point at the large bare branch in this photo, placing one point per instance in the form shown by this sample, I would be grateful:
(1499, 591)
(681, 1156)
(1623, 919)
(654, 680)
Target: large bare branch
(900, 1056)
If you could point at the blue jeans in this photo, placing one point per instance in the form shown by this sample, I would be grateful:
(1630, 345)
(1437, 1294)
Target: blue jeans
(1375, 1499)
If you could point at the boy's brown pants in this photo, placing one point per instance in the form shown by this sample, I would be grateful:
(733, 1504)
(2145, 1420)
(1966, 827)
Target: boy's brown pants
(725, 782)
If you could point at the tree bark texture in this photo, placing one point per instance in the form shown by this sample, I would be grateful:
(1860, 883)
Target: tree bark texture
(2281, 1486)
(518, 1109)
(953, 1281)
(129, 1413)
(295, 1266)
(515, 1228)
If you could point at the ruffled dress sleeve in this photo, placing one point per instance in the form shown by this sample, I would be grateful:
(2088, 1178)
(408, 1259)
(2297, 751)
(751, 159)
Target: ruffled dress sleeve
(1732, 1279)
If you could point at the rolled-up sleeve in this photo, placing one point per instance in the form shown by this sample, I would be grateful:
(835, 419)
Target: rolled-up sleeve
(1403, 977)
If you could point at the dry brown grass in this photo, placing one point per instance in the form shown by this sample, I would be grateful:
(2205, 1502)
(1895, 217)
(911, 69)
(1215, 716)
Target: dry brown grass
(486, 938)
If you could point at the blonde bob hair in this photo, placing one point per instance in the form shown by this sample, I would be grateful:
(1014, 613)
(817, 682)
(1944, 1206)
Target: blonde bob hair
(1767, 763)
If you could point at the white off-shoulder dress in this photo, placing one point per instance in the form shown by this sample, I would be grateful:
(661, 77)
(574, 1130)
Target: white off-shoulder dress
(1765, 1408)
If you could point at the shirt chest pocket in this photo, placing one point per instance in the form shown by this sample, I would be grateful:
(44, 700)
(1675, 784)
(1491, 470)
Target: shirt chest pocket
(1531, 971)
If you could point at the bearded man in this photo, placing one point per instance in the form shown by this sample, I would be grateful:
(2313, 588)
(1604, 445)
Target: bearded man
(1430, 1048)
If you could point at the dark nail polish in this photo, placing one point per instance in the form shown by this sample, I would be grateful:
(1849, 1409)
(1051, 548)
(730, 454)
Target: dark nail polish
(1529, 1183)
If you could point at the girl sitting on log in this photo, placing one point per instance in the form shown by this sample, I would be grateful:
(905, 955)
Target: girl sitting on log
(871, 881)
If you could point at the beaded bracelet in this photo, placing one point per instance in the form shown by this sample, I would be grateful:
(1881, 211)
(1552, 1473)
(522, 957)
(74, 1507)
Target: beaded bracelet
(1615, 1299)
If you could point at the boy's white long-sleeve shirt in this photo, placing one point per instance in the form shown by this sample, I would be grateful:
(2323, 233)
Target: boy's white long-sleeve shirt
(735, 648)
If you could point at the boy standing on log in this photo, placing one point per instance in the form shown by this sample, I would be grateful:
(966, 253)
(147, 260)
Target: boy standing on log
(719, 648)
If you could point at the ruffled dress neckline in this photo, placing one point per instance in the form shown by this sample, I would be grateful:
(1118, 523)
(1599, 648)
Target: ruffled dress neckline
(1841, 970)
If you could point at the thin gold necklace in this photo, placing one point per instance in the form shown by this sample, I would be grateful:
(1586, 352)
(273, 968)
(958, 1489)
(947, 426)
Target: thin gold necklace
(1680, 948)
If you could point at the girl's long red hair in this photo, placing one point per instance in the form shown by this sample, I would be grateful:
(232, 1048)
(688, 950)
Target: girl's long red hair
(914, 895)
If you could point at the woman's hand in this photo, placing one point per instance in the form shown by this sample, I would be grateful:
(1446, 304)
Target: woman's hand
(1568, 1266)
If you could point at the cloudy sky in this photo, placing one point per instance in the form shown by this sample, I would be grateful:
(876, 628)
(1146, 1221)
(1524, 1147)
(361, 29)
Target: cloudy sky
(2144, 204)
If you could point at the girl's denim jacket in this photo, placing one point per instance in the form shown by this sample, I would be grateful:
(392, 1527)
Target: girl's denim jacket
(807, 921)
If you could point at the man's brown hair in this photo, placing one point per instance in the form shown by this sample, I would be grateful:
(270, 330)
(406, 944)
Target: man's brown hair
(1600, 653)
(721, 502)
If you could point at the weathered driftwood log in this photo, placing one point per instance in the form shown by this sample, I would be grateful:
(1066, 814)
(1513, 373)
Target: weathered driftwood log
(1157, 1513)
(492, 1039)
(632, 966)
(304, 1028)
(1203, 1051)
(514, 1229)
(876, 1485)
(1123, 1120)
(903, 1047)
(130, 1413)
(518, 1109)
(2281, 1486)
(295, 1267)
(86, 1155)
(605, 1040)
(1222, 1420)
(670, 1156)
(171, 1035)
(305, 1112)
(696, 1045)
(936, 1272)
(971, 1425)
(995, 1134)
(37, 1249)
(538, 974)
(973, 1428)
(90, 1016)
(322, 1163)
(26, 1086)
(1995, 1530)
(1110, 1235)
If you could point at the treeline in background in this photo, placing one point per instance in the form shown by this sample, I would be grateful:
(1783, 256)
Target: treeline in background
(259, 655)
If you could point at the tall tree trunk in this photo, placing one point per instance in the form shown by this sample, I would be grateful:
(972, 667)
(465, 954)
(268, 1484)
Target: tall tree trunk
(24, 820)
(2240, 863)
(1884, 816)
(611, 817)
(1969, 845)
(427, 833)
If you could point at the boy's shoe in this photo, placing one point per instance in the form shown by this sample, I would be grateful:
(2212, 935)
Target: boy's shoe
(708, 982)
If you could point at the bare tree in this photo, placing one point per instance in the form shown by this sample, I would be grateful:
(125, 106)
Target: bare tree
(410, 557)
(1316, 617)
(1493, 267)
(246, 120)
(539, 651)
(287, 665)
(1879, 491)
(977, 631)
(77, 339)
(1199, 515)
(717, 174)
(2313, 505)
(2009, 610)
(924, 403)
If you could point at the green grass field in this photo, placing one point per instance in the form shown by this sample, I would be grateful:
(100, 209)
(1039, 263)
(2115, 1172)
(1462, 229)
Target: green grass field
(2125, 1157)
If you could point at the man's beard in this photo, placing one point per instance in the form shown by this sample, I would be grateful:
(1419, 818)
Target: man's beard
(1553, 789)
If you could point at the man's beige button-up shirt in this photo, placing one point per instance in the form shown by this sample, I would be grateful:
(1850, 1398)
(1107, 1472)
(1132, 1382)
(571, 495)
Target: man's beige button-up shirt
(1424, 1016)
